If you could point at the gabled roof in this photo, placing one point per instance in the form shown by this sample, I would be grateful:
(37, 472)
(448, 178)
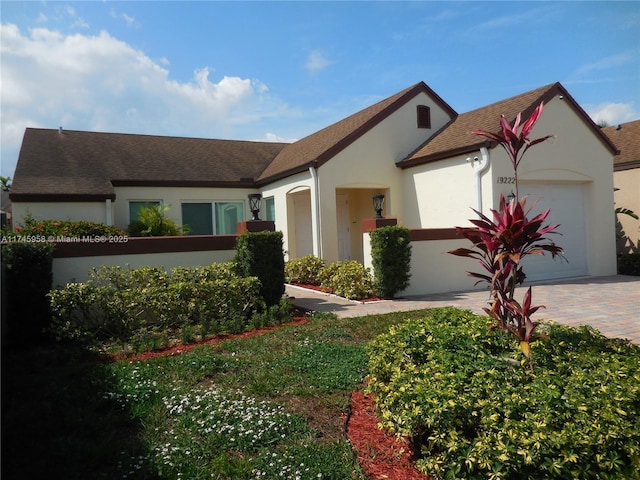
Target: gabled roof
(84, 166)
(456, 137)
(626, 137)
(319, 147)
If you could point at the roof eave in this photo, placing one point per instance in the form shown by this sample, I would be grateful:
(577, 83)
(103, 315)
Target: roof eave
(61, 197)
(414, 162)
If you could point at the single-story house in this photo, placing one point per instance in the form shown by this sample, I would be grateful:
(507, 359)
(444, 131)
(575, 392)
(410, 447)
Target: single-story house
(412, 147)
(626, 178)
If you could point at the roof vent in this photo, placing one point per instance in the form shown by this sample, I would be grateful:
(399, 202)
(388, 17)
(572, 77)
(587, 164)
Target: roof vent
(60, 130)
(619, 127)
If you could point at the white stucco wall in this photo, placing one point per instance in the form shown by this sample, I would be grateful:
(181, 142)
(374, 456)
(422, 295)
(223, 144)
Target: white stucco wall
(369, 164)
(76, 269)
(76, 211)
(441, 194)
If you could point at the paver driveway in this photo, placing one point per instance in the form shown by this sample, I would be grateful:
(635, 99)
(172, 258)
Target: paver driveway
(610, 304)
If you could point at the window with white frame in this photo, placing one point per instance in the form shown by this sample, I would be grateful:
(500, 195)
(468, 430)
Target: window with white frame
(212, 218)
(270, 209)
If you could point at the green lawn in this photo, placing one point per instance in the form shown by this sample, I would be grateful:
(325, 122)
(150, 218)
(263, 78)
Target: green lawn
(269, 406)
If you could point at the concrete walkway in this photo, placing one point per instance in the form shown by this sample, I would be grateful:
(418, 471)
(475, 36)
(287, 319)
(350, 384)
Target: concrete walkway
(609, 304)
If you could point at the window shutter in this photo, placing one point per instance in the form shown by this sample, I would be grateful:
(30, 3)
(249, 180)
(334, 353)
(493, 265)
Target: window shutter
(424, 116)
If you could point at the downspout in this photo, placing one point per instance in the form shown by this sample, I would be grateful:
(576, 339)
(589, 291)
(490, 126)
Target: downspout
(482, 167)
(108, 212)
(315, 212)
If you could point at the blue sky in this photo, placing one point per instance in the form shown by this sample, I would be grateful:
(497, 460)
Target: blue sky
(278, 71)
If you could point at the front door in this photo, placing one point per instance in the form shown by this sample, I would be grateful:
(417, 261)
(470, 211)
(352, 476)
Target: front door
(344, 232)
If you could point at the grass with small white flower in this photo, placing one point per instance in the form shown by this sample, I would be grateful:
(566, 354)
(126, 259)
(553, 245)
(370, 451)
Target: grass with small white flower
(270, 406)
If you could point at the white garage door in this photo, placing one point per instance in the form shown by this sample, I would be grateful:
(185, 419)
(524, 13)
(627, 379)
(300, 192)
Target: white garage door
(566, 202)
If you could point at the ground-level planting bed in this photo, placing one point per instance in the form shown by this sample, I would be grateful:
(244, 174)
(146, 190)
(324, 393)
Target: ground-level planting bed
(274, 405)
(449, 383)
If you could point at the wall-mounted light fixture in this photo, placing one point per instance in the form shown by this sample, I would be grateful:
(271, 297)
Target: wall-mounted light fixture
(255, 199)
(378, 205)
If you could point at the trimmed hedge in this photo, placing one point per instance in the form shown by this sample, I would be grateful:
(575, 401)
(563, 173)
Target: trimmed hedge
(348, 279)
(28, 276)
(119, 302)
(304, 269)
(261, 255)
(391, 259)
(449, 383)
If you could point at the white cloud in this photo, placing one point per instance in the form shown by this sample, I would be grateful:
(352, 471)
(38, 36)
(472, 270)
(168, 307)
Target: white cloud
(316, 61)
(612, 61)
(49, 79)
(612, 113)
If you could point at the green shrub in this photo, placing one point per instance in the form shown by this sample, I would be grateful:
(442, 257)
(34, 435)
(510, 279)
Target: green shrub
(260, 254)
(348, 279)
(629, 264)
(447, 381)
(119, 302)
(304, 270)
(65, 228)
(28, 275)
(153, 222)
(391, 259)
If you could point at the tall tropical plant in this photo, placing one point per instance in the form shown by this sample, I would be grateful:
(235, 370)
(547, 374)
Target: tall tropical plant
(501, 243)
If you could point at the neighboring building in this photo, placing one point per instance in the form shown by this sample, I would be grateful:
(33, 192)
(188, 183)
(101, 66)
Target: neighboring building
(626, 178)
(412, 147)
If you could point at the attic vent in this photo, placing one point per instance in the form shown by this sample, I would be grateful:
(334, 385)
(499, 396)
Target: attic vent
(424, 116)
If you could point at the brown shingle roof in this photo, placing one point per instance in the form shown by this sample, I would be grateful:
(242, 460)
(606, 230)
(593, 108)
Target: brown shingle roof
(317, 148)
(456, 138)
(86, 165)
(626, 137)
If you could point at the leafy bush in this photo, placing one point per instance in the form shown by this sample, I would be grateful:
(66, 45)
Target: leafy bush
(153, 222)
(347, 279)
(27, 278)
(304, 269)
(629, 264)
(445, 382)
(391, 258)
(119, 302)
(260, 254)
(65, 228)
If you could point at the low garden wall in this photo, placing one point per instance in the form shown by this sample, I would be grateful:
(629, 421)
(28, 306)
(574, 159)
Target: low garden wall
(72, 260)
(433, 270)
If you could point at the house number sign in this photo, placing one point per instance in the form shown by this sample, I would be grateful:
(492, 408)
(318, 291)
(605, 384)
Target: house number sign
(506, 180)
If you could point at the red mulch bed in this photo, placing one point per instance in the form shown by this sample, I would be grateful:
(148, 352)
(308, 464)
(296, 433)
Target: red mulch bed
(181, 348)
(382, 456)
(318, 288)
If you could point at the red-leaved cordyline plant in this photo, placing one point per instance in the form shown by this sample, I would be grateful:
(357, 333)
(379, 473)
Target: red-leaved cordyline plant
(500, 243)
(516, 143)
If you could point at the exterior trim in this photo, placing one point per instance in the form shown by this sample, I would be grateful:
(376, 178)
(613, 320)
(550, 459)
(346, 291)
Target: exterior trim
(101, 246)
(243, 183)
(426, 234)
(61, 197)
(621, 167)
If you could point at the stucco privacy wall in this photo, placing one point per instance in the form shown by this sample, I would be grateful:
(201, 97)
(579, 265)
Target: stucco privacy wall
(175, 196)
(76, 269)
(628, 196)
(370, 163)
(432, 269)
(76, 211)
